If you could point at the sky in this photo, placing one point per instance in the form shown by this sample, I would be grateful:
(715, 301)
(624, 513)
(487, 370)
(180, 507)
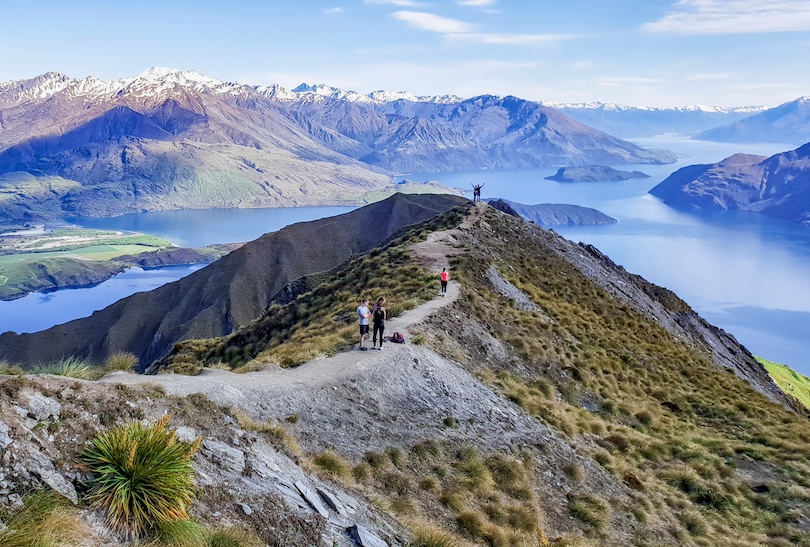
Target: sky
(660, 53)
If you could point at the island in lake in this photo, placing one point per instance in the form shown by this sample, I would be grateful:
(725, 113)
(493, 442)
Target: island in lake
(594, 173)
(555, 214)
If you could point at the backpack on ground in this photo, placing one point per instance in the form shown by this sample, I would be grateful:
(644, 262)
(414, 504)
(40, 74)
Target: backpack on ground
(397, 338)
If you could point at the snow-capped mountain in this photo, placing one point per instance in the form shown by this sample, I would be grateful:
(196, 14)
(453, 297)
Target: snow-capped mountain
(786, 123)
(641, 121)
(179, 139)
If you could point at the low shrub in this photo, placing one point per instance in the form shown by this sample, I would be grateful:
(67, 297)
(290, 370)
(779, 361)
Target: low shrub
(143, 475)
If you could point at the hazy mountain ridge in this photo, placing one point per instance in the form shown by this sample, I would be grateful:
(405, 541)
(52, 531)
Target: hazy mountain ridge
(778, 186)
(639, 121)
(787, 123)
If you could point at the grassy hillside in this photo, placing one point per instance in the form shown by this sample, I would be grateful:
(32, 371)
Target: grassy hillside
(702, 457)
(789, 380)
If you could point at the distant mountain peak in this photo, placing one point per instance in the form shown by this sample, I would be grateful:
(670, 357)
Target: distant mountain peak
(375, 97)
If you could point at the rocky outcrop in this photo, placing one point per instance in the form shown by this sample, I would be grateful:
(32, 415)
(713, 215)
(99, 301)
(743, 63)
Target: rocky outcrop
(778, 186)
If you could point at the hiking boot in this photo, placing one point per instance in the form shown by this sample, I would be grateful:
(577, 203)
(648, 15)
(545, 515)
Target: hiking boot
(363, 348)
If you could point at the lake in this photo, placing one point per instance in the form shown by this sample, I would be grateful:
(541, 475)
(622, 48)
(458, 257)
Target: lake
(745, 273)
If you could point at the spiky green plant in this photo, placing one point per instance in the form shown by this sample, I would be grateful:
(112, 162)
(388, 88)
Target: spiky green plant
(143, 475)
(70, 367)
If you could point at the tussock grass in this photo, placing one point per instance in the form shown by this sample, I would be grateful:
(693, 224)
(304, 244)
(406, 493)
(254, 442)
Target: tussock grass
(142, 476)
(332, 464)
(233, 537)
(251, 366)
(7, 369)
(590, 509)
(183, 533)
(45, 519)
(274, 430)
(121, 361)
(71, 367)
(428, 535)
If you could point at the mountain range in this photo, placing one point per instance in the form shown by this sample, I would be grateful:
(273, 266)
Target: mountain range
(788, 123)
(169, 139)
(778, 186)
(638, 121)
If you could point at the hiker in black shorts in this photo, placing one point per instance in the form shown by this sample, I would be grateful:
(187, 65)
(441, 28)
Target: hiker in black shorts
(378, 317)
(363, 314)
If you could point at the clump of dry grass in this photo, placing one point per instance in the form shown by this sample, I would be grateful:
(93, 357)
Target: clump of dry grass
(333, 465)
(45, 518)
(121, 361)
(275, 430)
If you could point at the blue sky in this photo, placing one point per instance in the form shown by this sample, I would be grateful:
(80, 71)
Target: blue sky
(637, 52)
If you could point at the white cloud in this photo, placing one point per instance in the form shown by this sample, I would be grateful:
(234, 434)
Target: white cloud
(509, 39)
(456, 30)
(333, 10)
(733, 17)
(476, 3)
(613, 81)
(434, 23)
(403, 3)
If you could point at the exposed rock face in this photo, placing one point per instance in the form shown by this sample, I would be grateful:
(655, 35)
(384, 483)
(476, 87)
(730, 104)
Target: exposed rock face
(778, 186)
(559, 214)
(788, 123)
(231, 292)
(594, 173)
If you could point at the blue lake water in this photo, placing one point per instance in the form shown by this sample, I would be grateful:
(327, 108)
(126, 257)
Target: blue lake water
(40, 311)
(746, 273)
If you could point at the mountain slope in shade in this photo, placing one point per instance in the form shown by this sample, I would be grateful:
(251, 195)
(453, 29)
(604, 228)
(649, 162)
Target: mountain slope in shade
(788, 123)
(227, 294)
(778, 186)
